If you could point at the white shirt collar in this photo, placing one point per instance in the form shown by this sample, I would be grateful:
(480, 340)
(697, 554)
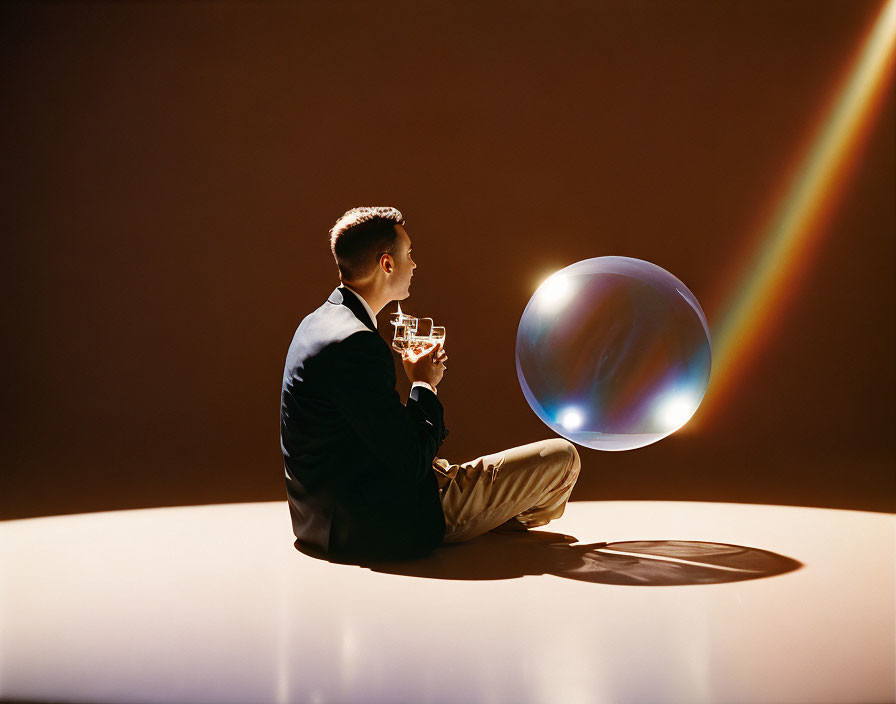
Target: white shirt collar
(364, 303)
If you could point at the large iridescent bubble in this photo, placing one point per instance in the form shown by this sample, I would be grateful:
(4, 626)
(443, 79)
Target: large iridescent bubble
(613, 353)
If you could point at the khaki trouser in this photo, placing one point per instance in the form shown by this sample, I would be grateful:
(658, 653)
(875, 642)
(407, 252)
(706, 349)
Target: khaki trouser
(530, 483)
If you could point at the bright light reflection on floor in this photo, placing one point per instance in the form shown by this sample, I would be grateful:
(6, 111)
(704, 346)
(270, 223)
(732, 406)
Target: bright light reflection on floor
(689, 602)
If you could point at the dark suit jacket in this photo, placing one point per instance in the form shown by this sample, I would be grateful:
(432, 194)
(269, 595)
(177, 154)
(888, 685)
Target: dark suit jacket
(358, 462)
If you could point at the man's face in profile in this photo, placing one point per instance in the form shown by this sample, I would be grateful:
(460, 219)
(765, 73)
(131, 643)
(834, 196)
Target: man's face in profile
(404, 265)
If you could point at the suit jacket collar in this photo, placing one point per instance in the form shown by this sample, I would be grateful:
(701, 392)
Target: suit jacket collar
(349, 299)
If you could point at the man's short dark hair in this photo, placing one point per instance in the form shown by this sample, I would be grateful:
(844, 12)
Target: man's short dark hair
(360, 237)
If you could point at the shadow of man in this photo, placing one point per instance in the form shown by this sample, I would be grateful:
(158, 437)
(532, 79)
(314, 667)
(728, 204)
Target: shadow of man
(509, 555)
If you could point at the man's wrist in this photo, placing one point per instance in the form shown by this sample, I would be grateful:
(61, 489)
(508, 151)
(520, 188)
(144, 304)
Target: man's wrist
(426, 385)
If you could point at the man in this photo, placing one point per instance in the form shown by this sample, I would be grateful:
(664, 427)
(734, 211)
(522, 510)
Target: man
(362, 476)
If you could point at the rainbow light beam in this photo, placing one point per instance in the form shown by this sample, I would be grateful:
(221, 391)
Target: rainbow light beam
(785, 244)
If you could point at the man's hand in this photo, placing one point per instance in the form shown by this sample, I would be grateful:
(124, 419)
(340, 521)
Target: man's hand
(427, 364)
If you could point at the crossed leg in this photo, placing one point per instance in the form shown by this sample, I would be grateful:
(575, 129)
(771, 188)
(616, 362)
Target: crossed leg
(527, 485)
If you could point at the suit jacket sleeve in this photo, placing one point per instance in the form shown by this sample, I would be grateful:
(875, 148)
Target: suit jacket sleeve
(404, 439)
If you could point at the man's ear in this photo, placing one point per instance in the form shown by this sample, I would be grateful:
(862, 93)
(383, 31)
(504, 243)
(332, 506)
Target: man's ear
(386, 263)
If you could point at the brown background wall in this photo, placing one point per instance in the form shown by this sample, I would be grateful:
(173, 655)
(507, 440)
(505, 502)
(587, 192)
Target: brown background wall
(170, 172)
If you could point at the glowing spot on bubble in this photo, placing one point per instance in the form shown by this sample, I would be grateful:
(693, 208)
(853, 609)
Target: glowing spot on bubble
(674, 410)
(554, 293)
(572, 419)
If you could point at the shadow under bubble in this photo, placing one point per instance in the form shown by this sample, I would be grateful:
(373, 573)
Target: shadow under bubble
(646, 563)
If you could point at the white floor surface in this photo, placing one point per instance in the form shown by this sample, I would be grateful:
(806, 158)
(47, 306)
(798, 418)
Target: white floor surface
(689, 602)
